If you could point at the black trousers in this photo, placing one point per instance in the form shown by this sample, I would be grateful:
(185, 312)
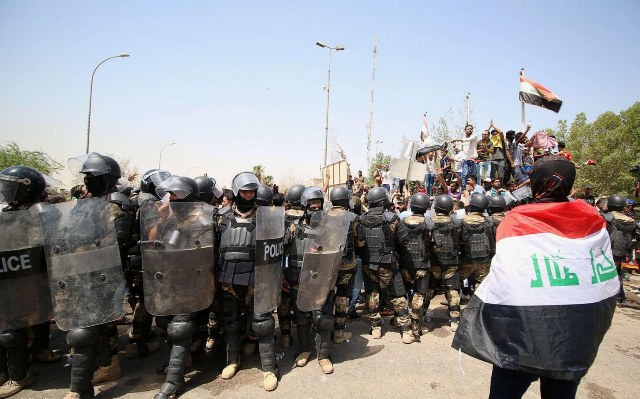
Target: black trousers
(511, 384)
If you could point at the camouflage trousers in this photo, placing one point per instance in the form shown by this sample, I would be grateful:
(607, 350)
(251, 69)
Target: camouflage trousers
(476, 271)
(418, 280)
(389, 280)
(448, 276)
(344, 288)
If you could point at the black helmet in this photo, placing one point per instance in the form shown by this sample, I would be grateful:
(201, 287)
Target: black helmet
(356, 205)
(419, 203)
(616, 203)
(340, 196)
(443, 204)
(208, 189)
(264, 196)
(293, 195)
(152, 179)
(478, 202)
(377, 197)
(101, 173)
(21, 185)
(184, 189)
(497, 203)
(310, 193)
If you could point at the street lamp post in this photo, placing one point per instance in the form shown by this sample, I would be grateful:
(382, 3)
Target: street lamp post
(326, 124)
(123, 55)
(160, 158)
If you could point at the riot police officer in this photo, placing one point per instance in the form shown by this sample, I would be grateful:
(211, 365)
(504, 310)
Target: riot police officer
(379, 232)
(235, 274)
(414, 258)
(477, 232)
(445, 250)
(621, 229)
(264, 196)
(26, 298)
(497, 212)
(208, 188)
(340, 199)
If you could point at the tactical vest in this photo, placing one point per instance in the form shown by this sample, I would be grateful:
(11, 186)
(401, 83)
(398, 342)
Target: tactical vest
(377, 233)
(495, 219)
(621, 228)
(301, 243)
(414, 252)
(348, 254)
(444, 240)
(237, 250)
(476, 236)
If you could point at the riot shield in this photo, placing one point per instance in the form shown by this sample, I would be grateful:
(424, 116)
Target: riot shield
(24, 285)
(269, 248)
(177, 245)
(85, 270)
(320, 263)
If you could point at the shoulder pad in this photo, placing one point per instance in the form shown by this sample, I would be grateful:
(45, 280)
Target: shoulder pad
(389, 217)
(429, 223)
(608, 217)
(456, 222)
(121, 200)
(145, 197)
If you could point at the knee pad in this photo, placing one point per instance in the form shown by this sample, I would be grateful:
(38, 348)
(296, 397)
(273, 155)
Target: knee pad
(421, 285)
(400, 306)
(82, 337)
(373, 300)
(322, 321)
(342, 305)
(417, 301)
(263, 325)
(13, 338)
(180, 330)
(453, 282)
(385, 275)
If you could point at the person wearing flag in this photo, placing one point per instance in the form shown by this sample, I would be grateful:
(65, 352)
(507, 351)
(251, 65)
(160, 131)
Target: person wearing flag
(549, 298)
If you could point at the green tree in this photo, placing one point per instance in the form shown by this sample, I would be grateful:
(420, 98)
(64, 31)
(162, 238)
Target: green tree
(379, 160)
(11, 155)
(612, 141)
(262, 175)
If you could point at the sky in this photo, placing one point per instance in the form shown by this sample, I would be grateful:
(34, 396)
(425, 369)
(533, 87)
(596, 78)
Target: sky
(234, 84)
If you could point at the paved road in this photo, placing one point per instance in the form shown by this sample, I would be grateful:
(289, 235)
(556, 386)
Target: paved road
(364, 368)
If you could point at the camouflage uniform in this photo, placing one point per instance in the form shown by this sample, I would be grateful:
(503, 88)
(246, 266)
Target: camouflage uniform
(621, 229)
(477, 232)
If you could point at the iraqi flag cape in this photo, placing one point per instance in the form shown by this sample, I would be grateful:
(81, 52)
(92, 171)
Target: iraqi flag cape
(550, 295)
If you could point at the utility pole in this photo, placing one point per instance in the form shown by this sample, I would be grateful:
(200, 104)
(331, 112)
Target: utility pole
(468, 108)
(373, 88)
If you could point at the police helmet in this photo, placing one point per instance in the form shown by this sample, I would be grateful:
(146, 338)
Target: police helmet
(244, 181)
(497, 203)
(478, 202)
(183, 189)
(616, 203)
(443, 204)
(208, 188)
(419, 203)
(264, 196)
(377, 197)
(21, 185)
(294, 193)
(152, 179)
(339, 196)
(311, 193)
(101, 172)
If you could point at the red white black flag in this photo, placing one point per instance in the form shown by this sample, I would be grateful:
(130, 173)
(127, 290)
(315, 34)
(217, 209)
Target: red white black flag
(534, 93)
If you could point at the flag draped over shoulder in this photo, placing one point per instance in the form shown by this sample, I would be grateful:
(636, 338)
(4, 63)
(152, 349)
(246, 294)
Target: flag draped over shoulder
(550, 295)
(534, 93)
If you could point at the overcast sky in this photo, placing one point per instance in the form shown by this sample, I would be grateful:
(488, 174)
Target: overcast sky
(235, 84)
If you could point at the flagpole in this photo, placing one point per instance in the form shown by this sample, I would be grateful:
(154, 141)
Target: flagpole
(522, 123)
(468, 108)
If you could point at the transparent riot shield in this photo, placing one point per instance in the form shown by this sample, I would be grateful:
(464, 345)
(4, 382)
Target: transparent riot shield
(320, 263)
(177, 244)
(85, 270)
(269, 248)
(24, 285)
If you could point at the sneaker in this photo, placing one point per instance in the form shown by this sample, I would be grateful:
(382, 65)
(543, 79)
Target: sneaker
(11, 387)
(302, 359)
(352, 314)
(285, 340)
(46, 356)
(326, 366)
(230, 371)
(270, 381)
(108, 373)
(408, 337)
(376, 332)
(250, 348)
(340, 336)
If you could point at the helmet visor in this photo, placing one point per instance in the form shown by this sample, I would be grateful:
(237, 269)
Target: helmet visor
(9, 187)
(156, 177)
(176, 186)
(89, 163)
(244, 181)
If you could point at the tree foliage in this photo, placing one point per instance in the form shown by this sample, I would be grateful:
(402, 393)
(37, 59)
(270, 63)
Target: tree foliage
(262, 176)
(11, 155)
(613, 140)
(379, 160)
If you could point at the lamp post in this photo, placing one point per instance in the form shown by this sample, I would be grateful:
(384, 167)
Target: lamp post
(160, 158)
(326, 124)
(123, 55)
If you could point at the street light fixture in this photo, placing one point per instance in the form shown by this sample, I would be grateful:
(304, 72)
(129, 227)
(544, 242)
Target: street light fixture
(160, 158)
(326, 125)
(122, 55)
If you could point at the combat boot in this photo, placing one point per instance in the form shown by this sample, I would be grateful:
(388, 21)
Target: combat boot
(302, 359)
(326, 366)
(270, 381)
(108, 373)
(407, 336)
(230, 371)
(376, 332)
(340, 336)
(416, 330)
(11, 387)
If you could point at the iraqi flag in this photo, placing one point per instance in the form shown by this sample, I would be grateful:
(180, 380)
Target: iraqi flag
(550, 295)
(534, 93)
